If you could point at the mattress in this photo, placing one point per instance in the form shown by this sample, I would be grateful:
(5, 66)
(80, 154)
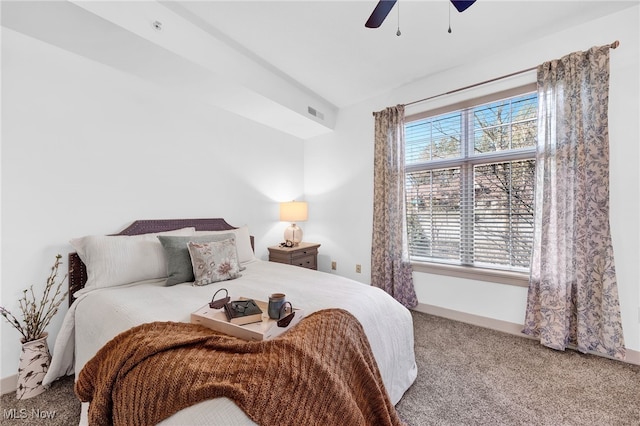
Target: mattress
(99, 315)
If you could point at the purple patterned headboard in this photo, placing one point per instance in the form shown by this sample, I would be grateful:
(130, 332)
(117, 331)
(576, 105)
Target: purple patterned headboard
(78, 271)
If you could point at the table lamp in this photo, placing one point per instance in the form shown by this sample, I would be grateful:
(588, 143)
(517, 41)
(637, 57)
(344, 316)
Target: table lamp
(293, 211)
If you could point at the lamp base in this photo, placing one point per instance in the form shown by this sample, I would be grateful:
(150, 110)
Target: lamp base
(293, 233)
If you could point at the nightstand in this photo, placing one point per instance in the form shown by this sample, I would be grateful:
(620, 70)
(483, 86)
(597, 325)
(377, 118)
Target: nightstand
(304, 255)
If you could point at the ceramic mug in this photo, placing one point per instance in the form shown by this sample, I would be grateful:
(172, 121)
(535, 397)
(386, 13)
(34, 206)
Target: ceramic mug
(276, 300)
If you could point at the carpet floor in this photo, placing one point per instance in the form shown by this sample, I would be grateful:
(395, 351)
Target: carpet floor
(467, 375)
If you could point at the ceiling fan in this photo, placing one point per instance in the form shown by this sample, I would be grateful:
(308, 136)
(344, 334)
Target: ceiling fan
(383, 8)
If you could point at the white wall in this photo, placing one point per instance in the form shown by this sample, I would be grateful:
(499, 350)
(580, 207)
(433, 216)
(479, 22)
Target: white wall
(339, 171)
(87, 149)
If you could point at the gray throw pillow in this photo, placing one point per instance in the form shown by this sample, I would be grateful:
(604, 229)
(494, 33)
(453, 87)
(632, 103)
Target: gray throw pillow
(176, 251)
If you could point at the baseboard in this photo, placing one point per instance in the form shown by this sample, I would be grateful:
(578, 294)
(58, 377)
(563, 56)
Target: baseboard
(8, 384)
(633, 357)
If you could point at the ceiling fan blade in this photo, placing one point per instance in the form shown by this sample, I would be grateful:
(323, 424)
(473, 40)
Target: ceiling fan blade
(462, 5)
(380, 13)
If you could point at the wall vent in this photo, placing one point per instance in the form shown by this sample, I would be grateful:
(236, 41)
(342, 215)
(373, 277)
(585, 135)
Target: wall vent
(315, 113)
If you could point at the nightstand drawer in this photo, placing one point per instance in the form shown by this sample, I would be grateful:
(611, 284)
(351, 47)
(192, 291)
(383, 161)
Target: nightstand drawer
(305, 261)
(304, 255)
(313, 251)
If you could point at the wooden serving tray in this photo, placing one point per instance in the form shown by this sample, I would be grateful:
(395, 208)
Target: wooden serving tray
(267, 329)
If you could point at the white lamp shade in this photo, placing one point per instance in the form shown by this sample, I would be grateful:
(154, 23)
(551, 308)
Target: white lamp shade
(294, 211)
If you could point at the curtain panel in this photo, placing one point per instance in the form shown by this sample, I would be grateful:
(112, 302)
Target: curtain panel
(573, 298)
(390, 266)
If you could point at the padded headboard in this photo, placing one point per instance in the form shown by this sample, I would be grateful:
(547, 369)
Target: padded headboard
(78, 271)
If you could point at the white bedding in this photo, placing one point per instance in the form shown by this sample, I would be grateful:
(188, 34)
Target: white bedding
(99, 315)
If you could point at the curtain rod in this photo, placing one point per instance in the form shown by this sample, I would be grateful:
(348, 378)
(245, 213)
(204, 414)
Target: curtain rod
(613, 45)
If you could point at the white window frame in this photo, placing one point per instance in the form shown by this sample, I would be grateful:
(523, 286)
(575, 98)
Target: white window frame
(490, 274)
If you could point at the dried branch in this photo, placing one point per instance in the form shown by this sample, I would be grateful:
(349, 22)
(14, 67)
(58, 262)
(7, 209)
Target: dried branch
(37, 316)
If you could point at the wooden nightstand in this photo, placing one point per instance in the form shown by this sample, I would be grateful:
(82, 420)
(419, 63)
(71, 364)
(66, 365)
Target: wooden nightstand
(304, 255)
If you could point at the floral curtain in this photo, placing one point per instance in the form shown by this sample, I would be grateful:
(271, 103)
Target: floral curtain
(573, 297)
(390, 267)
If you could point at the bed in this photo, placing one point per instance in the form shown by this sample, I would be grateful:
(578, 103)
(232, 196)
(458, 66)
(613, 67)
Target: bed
(110, 297)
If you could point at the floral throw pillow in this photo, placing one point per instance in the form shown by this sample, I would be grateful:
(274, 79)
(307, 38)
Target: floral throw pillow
(214, 261)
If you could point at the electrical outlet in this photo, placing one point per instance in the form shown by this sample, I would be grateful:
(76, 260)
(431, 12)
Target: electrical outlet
(333, 266)
(358, 268)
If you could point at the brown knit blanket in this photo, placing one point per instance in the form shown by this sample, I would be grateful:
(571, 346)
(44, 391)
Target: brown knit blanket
(320, 372)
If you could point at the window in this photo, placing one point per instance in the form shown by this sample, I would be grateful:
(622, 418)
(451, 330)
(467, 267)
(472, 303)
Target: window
(470, 177)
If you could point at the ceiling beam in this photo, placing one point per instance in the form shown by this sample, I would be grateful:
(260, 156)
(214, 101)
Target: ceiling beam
(155, 43)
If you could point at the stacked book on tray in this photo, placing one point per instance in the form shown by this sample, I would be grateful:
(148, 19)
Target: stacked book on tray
(246, 319)
(242, 312)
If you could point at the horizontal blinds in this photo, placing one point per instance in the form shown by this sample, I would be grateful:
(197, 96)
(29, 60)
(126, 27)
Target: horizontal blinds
(433, 211)
(503, 213)
(468, 203)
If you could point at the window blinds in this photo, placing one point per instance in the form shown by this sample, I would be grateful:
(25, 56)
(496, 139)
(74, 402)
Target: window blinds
(469, 184)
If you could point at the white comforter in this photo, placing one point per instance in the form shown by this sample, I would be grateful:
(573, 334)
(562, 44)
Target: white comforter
(99, 315)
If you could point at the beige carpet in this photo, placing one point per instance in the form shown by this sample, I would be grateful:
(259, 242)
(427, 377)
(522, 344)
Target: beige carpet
(473, 376)
(57, 406)
(466, 376)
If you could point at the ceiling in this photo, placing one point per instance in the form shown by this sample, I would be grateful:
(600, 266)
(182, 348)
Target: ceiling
(325, 46)
(291, 64)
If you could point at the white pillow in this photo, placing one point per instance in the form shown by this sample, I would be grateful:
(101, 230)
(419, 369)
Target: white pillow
(243, 242)
(113, 260)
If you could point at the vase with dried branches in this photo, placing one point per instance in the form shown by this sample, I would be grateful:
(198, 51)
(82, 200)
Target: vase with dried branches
(36, 316)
